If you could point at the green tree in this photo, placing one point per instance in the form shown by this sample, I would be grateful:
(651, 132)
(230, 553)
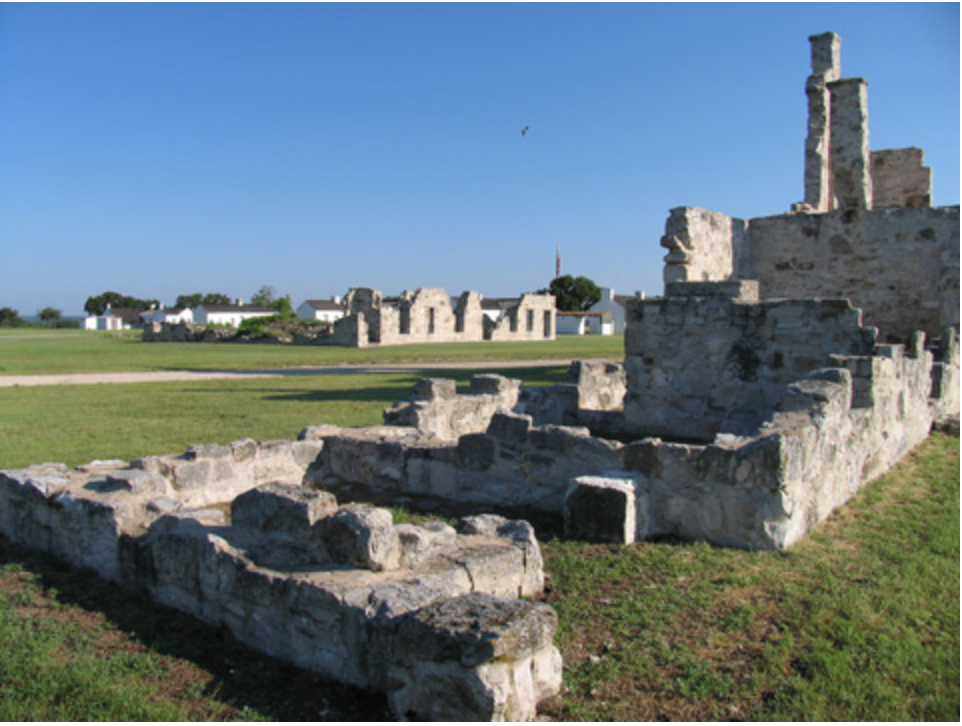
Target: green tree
(10, 318)
(216, 298)
(573, 294)
(96, 304)
(284, 307)
(50, 316)
(265, 296)
(199, 298)
(189, 301)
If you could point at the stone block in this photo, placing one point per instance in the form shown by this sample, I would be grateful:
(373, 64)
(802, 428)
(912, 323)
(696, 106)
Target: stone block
(475, 657)
(522, 536)
(432, 389)
(493, 384)
(363, 537)
(137, 481)
(601, 509)
(509, 428)
(207, 451)
(283, 512)
(420, 544)
(244, 450)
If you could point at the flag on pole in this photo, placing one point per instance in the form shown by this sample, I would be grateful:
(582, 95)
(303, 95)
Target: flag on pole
(557, 262)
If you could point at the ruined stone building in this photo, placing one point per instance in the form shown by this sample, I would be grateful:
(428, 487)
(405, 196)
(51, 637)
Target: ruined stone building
(792, 360)
(426, 315)
(866, 230)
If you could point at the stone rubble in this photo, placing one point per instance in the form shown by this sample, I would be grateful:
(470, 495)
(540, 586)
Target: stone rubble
(338, 589)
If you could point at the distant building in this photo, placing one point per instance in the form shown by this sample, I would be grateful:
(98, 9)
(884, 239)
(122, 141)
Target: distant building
(328, 311)
(232, 315)
(114, 319)
(615, 306)
(584, 323)
(163, 314)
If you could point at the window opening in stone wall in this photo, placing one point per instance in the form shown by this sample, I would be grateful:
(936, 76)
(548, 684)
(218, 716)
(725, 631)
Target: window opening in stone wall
(430, 321)
(405, 320)
(547, 323)
(530, 321)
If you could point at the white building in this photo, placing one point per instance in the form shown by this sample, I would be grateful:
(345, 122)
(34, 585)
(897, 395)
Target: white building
(163, 314)
(232, 315)
(327, 311)
(114, 319)
(615, 306)
(584, 323)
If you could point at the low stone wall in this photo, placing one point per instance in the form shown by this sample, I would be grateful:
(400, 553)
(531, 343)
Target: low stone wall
(822, 433)
(437, 409)
(512, 464)
(427, 614)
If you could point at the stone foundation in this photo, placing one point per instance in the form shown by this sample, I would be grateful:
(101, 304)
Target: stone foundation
(426, 614)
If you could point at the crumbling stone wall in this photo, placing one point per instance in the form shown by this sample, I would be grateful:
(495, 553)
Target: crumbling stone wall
(425, 315)
(834, 412)
(900, 178)
(865, 231)
(427, 614)
(513, 463)
(435, 407)
(703, 246)
(898, 265)
(533, 318)
(711, 358)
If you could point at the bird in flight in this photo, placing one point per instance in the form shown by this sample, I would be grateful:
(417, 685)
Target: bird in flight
(524, 131)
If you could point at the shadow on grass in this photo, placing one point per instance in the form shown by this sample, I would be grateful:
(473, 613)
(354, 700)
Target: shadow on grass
(241, 677)
(398, 389)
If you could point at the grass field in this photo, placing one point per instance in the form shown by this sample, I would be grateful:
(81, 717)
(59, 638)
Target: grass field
(34, 352)
(858, 622)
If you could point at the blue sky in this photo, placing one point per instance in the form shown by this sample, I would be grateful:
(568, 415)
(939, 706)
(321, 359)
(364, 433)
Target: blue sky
(160, 149)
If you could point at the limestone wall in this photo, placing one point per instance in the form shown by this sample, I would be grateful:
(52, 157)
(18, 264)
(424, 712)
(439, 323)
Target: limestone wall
(889, 262)
(900, 178)
(514, 463)
(898, 265)
(435, 408)
(826, 424)
(428, 614)
(425, 315)
(533, 318)
(700, 362)
(702, 246)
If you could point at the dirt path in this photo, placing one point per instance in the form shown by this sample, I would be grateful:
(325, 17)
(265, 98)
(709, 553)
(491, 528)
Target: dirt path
(81, 379)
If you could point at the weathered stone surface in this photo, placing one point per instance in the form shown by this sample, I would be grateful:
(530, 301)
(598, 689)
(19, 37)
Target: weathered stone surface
(284, 512)
(138, 481)
(601, 509)
(522, 536)
(826, 67)
(363, 537)
(255, 574)
(420, 544)
(900, 178)
(441, 647)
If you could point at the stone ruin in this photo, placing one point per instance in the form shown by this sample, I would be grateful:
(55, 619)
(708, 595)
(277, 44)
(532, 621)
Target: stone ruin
(425, 315)
(738, 417)
(236, 535)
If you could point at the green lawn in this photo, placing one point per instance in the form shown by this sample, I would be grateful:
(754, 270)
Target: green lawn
(858, 622)
(76, 424)
(38, 352)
